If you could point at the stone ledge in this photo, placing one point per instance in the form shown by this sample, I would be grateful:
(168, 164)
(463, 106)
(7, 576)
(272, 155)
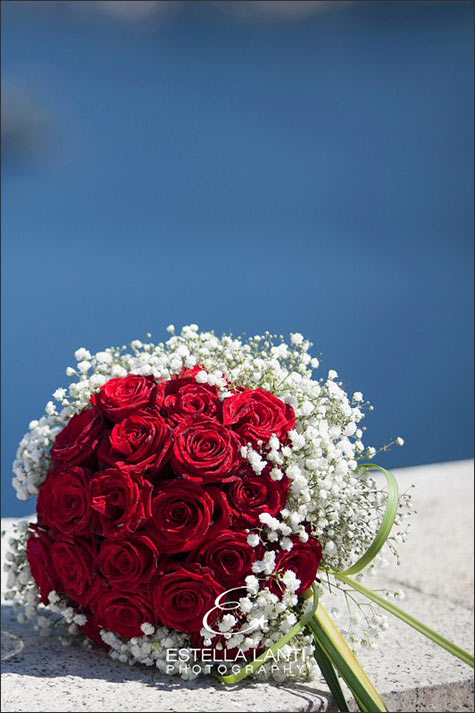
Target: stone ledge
(411, 673)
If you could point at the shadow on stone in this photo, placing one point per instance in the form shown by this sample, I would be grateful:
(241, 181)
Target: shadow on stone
(45, 657)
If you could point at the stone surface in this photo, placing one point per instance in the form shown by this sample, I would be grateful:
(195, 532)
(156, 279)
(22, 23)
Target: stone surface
(411, 673)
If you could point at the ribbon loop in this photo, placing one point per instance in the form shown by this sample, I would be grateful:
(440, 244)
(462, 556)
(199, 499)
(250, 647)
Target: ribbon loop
(386, 523)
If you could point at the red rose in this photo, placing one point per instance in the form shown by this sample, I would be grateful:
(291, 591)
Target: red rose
(122, 500)
(92, 630)
(205, 450)
(254, 494)
(74, 562)
(77, 441)
(256, 414)
(119, 398)
(122, 613)
(182, 598)
(222, 514)
(182, 397)
(130, 563)
(229, 557)
(183, 513)
(64, 501)
(38, 551)
(141, 440)
(304, 559)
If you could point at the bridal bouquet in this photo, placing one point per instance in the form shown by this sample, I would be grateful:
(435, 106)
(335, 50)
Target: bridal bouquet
(198, 502)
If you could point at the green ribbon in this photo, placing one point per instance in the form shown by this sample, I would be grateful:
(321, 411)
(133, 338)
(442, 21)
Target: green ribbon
(409, 619)
(385, 526)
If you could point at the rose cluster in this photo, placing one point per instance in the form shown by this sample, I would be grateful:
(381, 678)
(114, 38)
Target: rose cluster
(149, 506)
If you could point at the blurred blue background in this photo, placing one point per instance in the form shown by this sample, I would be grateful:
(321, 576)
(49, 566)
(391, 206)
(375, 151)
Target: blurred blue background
(245, 166)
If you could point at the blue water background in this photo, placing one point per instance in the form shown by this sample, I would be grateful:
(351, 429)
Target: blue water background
(313, 175)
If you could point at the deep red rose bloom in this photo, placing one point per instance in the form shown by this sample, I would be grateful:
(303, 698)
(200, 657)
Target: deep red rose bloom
(255, 414)
(122, 613)
(205, 450)
(255, 494)
(77, 441)
(184, 514)
(304, 559)
(182, 598)
(92, 629)
(128, 563)
(222, 513)
(182, 397)
(74, 562)
(120, 397)
(122, 500)
(145, 513)
(64, 501)
(229, 557)
(38, 551)
(142, 441)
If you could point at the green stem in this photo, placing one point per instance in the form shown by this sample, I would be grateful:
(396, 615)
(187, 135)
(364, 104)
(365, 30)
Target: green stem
(346, 663)
(328, 672)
